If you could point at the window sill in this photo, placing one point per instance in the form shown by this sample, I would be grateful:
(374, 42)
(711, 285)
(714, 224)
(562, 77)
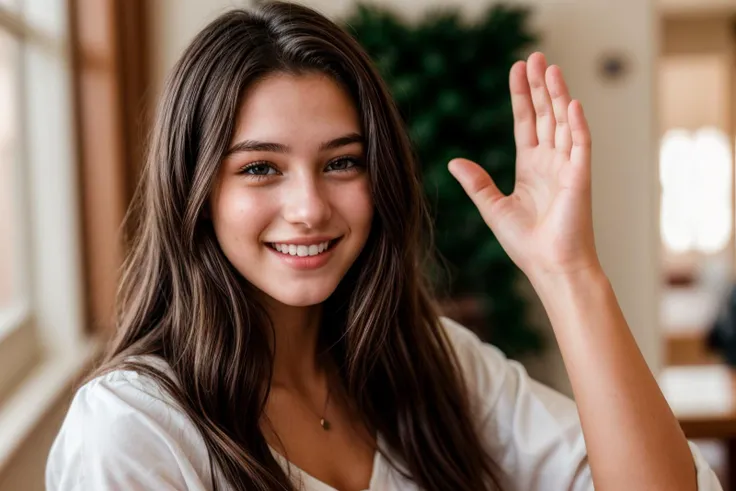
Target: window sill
(46, 385)
(19, 348)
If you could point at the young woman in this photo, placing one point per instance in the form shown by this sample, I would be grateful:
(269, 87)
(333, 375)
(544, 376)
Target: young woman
(275, 328)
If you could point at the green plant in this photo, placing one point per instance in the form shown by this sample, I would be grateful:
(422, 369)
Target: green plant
(450, 81)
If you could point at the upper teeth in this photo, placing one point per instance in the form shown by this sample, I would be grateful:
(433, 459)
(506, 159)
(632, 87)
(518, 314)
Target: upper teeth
(302, 250)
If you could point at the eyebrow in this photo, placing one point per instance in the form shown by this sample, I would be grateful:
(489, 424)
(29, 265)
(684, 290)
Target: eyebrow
(258, 146)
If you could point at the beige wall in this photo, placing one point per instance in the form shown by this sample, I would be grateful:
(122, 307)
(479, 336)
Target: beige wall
(695, 73)
(694, 92)
(575, 34)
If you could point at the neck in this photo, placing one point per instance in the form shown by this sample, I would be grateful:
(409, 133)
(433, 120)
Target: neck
(295, 338)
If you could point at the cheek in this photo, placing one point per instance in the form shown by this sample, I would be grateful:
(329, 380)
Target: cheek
(357, 207)
(239, 216)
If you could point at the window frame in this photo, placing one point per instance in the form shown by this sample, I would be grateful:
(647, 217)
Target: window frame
(42, 341)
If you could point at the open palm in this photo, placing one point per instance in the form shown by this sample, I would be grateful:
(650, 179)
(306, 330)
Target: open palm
(545, 225)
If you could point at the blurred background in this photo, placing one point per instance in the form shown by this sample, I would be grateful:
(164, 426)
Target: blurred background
(79, 80)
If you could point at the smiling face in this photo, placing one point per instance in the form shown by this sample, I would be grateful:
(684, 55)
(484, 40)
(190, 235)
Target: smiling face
(292, 206)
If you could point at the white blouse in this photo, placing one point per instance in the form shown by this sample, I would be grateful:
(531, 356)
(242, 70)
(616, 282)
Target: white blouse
(123, 432)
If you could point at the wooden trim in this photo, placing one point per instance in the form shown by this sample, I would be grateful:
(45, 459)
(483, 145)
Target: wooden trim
(133, 64)
(108, 46)
(689, 348)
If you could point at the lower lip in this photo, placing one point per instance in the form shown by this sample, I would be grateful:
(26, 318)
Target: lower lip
(305, 262)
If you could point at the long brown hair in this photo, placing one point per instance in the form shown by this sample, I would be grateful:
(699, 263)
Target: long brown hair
(181, 300)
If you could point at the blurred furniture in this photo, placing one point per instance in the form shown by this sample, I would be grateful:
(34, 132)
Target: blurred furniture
(703, 398)
(698, 385)
(688, 348)
(687, 312)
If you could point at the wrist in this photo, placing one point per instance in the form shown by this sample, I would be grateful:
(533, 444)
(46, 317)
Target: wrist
(582, 281)
(572, 299)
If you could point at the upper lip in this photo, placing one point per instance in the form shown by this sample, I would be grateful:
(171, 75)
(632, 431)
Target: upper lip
(304, 240)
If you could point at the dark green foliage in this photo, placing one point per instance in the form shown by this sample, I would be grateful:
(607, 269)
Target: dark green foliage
(450, 81)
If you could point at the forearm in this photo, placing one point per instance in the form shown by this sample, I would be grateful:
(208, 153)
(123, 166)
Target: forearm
(634, 441)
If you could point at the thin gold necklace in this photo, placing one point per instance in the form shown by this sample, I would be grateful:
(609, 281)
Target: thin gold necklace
(323, 420)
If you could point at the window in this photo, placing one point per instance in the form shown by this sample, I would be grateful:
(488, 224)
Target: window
(16, 346)
(41, 339)
(11, 270)
(9, 4)
(695, 174)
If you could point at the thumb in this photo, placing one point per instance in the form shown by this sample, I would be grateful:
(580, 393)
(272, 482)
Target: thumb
(477, 184)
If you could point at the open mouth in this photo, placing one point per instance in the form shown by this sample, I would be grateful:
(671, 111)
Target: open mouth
(304, 250)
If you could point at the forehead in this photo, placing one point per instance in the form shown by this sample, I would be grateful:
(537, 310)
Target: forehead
(287, 107)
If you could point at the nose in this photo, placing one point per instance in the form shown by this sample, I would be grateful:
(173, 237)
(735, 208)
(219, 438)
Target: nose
(305, 201)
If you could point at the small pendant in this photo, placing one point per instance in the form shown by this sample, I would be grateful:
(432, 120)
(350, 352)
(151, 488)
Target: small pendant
(325, 424)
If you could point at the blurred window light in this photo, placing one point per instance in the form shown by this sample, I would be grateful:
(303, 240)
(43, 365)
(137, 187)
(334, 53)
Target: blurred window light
(10, 4)
(695, 177)
(9, 171)
(40, 282)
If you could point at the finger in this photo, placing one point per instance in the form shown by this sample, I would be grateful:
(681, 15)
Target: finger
(536, 67)
(581, 141)
(477, 184)
(560, 102)
(525, 127)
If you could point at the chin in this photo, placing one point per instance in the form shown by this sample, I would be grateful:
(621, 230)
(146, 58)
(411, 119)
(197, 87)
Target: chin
(301, 298)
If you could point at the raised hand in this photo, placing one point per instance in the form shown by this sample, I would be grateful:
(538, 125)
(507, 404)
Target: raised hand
(546, 224)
